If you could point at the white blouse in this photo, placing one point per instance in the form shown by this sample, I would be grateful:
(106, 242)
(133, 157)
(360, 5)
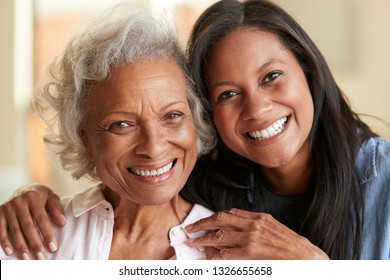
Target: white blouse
(88, 232)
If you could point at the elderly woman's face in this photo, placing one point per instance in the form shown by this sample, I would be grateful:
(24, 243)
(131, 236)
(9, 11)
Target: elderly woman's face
(140, 133)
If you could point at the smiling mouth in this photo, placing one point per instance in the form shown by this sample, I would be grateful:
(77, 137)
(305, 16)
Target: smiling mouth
(152, 172)
(273, 130)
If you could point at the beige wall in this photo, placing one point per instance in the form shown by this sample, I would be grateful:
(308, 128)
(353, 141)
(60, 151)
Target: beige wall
(354, 36)
(13, 167)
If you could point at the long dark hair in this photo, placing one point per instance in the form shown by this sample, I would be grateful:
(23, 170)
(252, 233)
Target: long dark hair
(334, 215)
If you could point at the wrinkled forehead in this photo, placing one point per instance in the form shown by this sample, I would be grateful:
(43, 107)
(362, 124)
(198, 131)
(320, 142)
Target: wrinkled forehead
(147, 84)
(143, 74)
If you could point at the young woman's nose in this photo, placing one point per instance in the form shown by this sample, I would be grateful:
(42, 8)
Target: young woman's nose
(255, 106)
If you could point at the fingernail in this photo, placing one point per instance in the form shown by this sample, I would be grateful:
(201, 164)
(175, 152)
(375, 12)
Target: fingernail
(25, 256)
(63, 219)
(200, 249)
(40, 256)
(52, 246)
(8, 251)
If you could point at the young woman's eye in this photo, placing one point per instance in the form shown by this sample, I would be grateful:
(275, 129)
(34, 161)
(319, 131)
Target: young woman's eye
(226, 95)
(271, 77)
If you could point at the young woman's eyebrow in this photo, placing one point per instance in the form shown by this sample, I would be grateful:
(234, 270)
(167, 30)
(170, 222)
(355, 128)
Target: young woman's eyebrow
(260, 70)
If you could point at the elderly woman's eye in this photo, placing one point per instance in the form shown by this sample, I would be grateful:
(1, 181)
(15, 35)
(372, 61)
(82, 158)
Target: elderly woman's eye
(174, 115)
(173, 118)
(119, 126)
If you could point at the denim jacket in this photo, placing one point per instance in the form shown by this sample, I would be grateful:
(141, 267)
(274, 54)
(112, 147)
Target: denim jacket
(373, 163)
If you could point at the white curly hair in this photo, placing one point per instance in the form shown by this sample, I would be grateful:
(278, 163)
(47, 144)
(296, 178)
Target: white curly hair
(116, 37)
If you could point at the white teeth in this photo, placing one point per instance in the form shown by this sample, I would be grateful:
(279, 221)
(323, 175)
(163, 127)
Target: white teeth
(153, 172)
(274, 129)
(264, 134)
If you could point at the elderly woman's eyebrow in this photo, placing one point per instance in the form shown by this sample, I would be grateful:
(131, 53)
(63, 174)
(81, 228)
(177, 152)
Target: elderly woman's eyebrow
(166, 106)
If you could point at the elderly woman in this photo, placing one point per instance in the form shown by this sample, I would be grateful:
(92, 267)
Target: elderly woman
(121, 110)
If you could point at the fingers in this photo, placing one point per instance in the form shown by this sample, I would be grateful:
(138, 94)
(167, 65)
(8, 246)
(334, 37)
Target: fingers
(219, 220)
(56, 211)
(233, 219)
(245, 214)
(33, 235)
(33, 219)
(232, 254)
(218, 239)
(231, 245)
(211, 252)
(15, 231)
(25, 218)
(245, 235)
(42, 201)
(54, 207)
(4, 240)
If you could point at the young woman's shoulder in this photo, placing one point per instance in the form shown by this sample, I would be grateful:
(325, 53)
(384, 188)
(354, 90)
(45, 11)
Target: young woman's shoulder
(374, 171)
(382, 146)
(373, 159)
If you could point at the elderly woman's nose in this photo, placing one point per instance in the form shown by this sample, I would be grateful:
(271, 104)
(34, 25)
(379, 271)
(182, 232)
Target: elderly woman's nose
(152, 142)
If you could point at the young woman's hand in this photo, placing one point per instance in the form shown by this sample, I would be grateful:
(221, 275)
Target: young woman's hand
(25, 223)
(240, 234)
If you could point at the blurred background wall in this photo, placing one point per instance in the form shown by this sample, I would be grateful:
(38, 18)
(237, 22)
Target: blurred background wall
(354, 36)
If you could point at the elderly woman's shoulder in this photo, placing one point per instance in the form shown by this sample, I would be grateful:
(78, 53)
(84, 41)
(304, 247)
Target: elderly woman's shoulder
(83, 201)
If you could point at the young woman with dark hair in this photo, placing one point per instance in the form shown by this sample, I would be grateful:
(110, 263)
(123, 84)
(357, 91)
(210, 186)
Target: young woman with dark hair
(327, 201)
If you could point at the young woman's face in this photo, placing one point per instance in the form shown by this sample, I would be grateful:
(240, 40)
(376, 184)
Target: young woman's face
(261, 102)
(140, 133)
